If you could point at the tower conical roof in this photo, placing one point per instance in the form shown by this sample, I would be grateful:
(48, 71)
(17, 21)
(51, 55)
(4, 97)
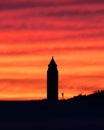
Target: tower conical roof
(52, 62)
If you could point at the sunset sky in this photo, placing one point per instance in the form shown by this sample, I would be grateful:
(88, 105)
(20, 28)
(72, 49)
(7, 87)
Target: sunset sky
(32, 31)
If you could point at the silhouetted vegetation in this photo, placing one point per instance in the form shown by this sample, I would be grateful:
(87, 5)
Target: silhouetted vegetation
(96, 94)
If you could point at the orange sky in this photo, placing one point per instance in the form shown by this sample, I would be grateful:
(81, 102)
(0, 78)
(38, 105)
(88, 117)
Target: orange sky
(32, 31)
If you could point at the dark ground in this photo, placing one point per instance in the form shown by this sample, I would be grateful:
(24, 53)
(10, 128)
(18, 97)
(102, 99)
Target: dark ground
(82, 113)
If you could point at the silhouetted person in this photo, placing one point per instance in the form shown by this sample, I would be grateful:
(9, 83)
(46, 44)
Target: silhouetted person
(52, 81)
(63, 96)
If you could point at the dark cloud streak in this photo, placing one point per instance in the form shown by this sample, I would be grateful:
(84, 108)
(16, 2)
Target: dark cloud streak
(33, 4)
(76, 13)
(57, 49)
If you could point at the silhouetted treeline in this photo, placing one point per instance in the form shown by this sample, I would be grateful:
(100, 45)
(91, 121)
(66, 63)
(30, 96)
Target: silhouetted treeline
(96, 94)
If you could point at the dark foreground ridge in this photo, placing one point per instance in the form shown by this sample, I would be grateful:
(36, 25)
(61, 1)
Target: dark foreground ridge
(80, 112)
